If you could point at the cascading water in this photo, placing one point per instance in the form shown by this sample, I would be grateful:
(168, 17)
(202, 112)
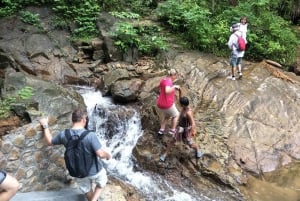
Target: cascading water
(119, 128)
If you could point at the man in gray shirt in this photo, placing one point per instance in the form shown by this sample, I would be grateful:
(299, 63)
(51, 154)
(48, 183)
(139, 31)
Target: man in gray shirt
(92, 147)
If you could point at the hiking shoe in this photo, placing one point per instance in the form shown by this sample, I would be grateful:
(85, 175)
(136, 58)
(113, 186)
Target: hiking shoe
(162, 158)
(199, 154)
(161, 132)
(172, 132)
(233, 78)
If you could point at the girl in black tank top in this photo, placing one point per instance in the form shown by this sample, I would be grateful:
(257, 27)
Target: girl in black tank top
(185, 129)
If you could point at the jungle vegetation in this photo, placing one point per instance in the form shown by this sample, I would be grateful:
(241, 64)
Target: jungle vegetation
(201, 24)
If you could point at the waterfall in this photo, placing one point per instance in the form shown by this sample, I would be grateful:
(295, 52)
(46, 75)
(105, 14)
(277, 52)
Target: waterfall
(118, 129)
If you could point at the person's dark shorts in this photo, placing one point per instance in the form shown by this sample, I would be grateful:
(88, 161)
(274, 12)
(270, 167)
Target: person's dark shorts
(2, 176)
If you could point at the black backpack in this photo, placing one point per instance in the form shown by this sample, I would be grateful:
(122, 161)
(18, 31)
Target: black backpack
(77, 161)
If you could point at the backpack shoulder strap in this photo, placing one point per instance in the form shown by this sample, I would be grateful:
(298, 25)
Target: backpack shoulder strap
(68, 134)
(83, 134)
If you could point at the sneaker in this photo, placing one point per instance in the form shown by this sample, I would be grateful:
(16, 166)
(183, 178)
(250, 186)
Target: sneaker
(199, 154)
(172, 132)
(240, 75)
(233, 78)
(162, 158)
(161, 131)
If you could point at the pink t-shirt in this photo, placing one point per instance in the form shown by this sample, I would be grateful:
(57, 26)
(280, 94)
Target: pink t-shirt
(164, 100)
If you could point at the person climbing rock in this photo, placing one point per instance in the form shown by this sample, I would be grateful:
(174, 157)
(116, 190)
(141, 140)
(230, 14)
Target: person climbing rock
(186, 129)
(166, 102)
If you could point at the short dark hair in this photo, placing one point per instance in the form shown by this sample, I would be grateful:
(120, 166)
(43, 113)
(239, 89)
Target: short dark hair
(244, 17)
(78, 114)
(184, 101)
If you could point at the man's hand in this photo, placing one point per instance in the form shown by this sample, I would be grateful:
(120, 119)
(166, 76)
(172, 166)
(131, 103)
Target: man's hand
(44, 122)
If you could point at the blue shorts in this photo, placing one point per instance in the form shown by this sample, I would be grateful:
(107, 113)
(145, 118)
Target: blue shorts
(2, 176)
(235, 61)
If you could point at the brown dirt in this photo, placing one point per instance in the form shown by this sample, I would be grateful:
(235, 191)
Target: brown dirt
(9, 124)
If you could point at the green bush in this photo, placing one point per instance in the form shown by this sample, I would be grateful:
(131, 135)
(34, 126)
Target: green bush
(8, 7)
(31, 18)
(84, 14)
(207, 29)
(144, 38)
(136, 6)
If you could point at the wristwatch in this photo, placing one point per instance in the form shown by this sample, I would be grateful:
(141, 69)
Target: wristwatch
(45, 126)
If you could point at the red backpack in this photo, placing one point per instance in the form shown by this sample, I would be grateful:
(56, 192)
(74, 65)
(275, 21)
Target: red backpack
(241, 43)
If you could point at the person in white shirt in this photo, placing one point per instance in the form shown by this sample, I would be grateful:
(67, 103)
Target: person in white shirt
(243, 27)
(236, 56)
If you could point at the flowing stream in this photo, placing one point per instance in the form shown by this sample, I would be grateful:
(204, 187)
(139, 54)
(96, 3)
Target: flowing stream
(119, 128)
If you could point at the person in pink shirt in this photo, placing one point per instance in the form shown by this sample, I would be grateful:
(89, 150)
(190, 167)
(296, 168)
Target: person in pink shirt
(166, 102)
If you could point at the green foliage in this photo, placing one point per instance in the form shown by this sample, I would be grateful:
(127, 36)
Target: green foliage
(124, 15)
(126, 36)
(136, 6)
(151, 42)
(25, 93)
(142, 6)
(31, 18)
(84, 14)
(207, 29)
(5, 104)
(144, 38)
(203, 24)
(188, 18)
(8, 7)
(112, 5)
(59, 23)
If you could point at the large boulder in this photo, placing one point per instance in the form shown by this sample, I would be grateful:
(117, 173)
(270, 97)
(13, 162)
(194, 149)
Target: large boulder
(49, 97)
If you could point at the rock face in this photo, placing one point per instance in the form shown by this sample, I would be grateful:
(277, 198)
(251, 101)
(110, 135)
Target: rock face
(248, 126)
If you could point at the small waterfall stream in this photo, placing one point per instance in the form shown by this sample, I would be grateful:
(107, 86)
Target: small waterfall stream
(119, 128)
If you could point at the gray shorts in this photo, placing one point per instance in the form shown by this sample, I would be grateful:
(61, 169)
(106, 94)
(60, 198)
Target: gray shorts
(171, 112)
(2, 176)
(87, 183)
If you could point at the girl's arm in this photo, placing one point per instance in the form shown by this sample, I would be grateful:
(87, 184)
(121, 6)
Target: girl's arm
(192, 122)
